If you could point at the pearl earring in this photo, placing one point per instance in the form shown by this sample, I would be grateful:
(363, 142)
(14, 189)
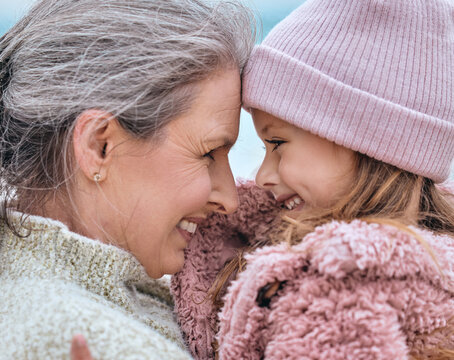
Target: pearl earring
(97, 177)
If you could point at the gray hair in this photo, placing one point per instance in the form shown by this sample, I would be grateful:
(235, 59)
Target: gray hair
(135, 59)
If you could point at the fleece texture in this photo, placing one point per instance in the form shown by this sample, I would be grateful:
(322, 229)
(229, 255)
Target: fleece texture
(55, 283)
(348, 291)
(213, 245)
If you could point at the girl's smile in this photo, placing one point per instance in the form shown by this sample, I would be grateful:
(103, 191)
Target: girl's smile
(290, 201)
(302, 170)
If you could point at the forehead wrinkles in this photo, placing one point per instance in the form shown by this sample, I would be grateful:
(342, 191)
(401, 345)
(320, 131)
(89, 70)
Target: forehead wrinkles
(204, 133)
(223, 125)
(224, 134)
(226, 110)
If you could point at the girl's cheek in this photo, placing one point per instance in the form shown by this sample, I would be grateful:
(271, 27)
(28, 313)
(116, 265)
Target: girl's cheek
(290, 170)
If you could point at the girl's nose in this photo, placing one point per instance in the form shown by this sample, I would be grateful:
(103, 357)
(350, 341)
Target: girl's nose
(268, 175)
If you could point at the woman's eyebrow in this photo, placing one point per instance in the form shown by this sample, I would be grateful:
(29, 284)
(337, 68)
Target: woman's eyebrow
(225, 141)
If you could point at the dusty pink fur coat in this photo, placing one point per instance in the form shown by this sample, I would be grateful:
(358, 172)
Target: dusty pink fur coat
(349, 291)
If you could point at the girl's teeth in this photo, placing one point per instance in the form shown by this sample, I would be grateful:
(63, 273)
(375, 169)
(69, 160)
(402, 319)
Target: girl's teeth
(187, 226)
(294, 203)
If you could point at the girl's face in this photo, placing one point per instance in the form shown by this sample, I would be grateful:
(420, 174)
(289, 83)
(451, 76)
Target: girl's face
(302, 170)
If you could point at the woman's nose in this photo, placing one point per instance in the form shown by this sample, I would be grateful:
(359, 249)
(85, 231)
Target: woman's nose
(223, 197)
(267, 175)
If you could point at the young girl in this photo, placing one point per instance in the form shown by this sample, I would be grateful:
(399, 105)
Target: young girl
(354, 101)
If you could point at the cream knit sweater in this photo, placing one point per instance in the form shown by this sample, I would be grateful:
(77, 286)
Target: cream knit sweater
(55, 283)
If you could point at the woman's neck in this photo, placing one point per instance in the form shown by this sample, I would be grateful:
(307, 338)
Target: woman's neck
(61, 209)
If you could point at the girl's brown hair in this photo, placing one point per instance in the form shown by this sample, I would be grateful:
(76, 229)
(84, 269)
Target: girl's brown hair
(381, 193)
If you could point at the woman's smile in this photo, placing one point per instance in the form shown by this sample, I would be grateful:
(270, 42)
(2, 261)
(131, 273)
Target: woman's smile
(187, 227)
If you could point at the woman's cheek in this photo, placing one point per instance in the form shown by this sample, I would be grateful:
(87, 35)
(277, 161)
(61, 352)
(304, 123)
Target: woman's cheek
(200, 188)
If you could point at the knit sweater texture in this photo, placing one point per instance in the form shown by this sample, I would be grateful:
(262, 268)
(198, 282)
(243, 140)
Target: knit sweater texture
(348, 291)
(55, 283)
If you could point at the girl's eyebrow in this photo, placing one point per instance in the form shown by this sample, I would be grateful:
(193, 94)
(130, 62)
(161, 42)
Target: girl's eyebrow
(267, 128)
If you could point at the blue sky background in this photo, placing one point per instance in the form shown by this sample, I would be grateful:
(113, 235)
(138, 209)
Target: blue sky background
(11, 11)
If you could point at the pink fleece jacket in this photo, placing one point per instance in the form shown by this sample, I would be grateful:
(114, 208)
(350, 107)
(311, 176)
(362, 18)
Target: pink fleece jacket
(348, 291)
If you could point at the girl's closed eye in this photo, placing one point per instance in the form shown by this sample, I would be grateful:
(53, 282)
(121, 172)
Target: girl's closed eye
(276, 143)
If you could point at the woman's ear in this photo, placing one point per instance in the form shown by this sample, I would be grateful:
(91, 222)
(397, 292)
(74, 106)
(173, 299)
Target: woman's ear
(96, 133)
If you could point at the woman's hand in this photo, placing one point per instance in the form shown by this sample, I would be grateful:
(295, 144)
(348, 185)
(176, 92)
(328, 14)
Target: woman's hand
(79, 349)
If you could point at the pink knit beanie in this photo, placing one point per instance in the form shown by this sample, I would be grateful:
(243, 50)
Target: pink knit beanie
(375, 76)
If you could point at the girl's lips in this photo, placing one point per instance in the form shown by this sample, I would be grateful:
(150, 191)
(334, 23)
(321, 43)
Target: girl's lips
(282, 198)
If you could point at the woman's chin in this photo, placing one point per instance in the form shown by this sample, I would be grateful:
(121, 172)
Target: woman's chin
(174, 265)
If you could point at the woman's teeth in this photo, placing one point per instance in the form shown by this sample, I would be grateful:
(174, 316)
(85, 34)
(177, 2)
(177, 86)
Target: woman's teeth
(187, 226)
(293, 202)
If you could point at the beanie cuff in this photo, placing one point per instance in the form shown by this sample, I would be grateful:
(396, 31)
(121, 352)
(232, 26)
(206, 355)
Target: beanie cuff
(305, 97)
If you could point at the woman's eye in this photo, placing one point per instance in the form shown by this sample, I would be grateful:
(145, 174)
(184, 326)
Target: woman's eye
(209, 155)
(275, 143)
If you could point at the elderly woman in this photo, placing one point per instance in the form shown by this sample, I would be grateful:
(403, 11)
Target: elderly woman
(117, 117)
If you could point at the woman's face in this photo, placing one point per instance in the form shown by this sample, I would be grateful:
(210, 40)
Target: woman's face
(302, 170)
(159, 190)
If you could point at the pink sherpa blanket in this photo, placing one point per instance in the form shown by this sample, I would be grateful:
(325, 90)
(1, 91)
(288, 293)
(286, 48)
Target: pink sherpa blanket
(212, 246)
(348, 291)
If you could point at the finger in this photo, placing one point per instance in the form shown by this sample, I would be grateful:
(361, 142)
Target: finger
(79, 349)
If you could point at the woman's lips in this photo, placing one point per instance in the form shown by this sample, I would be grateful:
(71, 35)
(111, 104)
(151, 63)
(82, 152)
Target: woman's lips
(188, 226)
(185, 234)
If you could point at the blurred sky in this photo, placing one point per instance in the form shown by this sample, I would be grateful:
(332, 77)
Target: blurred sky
(11, 11)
